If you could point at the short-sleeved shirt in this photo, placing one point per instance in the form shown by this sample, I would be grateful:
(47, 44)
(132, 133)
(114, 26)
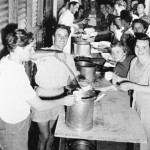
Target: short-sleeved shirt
(122, 68)
(52, 73)
(15, 91)
(66, 18)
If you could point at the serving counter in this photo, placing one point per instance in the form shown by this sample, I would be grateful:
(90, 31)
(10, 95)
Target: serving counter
(114, 120)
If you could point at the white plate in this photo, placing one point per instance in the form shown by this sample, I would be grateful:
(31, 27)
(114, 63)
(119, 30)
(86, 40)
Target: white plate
(107, 64)
(46, 48)
(106, 56)
(89, 30)
(100, 45)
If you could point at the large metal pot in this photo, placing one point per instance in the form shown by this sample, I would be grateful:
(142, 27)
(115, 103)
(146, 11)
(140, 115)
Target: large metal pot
(79, 117)
(87, 70)
(81, 145)
(82, 48)
(79, 39)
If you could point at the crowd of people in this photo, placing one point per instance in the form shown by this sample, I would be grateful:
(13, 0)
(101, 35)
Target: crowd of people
(20, 103)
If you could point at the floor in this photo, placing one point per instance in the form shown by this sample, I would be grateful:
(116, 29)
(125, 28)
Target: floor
(33, 139)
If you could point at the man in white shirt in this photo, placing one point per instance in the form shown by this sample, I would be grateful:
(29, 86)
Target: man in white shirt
(67, 18)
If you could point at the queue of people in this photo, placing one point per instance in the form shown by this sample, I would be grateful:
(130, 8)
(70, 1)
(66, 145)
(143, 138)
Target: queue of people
(21, 103)
(129, 34)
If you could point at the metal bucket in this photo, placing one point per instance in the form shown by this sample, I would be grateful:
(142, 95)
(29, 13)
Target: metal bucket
(81, 145)
(82, 48)
(87, 70)
(79, 117)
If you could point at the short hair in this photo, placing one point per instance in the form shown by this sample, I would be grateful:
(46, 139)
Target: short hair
(61, 26)
(11, 27)
(141, 4)
(19, 38)
(111, 4)
(145, 24)
(81, 7)
(73, 3)
(120, 44)
(125, 15)
(143, 37)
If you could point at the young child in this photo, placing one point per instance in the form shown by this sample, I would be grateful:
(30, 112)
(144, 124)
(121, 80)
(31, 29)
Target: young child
(120, 55)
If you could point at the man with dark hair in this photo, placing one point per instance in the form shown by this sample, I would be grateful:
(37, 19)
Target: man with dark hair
(51, 77)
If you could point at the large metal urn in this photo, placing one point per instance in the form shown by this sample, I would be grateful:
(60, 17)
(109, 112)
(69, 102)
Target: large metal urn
(79, 117)
(82, 49)
(87, 70)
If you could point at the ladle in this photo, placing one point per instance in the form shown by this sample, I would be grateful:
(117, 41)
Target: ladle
(78, 85)
(57, 51)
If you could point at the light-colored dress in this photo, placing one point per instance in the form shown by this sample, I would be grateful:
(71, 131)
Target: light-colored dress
(51, 77)
(141, 100)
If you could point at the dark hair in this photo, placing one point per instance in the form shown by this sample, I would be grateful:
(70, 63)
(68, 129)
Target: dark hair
(4, 32)
(66, 1)
(19, 38)
(77, 13)
(143, 37)
(145, 25)
(141, 4)
(134, 9)
(73, 3)
(81, 7)
(125, 15)
(111, 4)
(61, 26)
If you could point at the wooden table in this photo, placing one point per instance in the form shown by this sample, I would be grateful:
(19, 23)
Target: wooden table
(114, 120)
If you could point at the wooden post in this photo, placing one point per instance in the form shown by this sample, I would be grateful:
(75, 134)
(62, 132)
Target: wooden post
(13, 8)
(40, 12)
(29, 15)
(129, 5)
(55, 9)
(40, 24)
(147, 8)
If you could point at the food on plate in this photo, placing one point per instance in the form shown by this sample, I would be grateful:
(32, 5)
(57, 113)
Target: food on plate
(101, 45)
(106, 56)
(89, 30)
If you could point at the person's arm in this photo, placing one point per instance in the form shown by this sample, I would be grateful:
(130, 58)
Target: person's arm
(103, 32)
(117, 79)
(136, 87)
(41, 54)
(41, 105)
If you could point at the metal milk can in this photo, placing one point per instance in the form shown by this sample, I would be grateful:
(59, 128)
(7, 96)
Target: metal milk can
(79, 117)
